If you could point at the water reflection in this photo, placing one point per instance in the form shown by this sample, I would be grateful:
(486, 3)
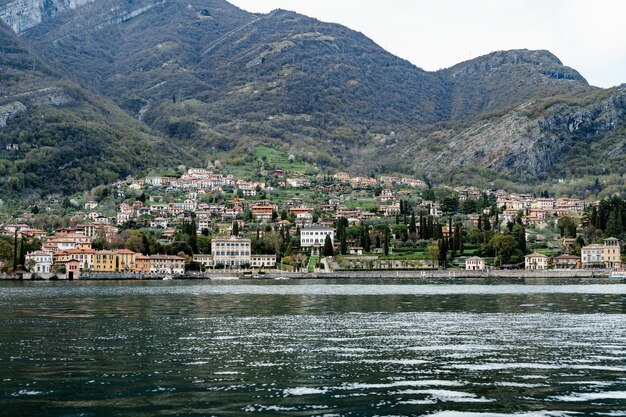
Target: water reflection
(312, 349)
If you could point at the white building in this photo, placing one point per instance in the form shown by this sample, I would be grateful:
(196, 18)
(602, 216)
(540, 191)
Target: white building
(231, 251)
(607, 255)
(204, 259)
(535, 261)
(43, 261)
(167, 264)
(263, 261)
(315, 236)
(475, 263)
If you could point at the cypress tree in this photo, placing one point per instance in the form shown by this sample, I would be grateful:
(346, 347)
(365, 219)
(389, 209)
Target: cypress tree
(328, 246)
(15, 251)
(386, 242)
(235, 229)
(412, 226)
(367, 245)
(22, 259)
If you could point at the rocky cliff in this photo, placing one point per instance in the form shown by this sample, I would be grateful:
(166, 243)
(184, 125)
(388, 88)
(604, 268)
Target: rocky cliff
(22, 15)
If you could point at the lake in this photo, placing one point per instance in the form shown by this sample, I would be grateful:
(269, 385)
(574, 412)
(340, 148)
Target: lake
(312, 348)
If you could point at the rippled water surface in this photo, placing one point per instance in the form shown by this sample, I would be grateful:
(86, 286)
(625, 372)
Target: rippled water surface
(312, 349)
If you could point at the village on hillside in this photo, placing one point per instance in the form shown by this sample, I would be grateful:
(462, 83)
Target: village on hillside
(287, 219)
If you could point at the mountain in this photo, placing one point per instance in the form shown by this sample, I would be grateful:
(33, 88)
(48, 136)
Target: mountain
(57, 137)
(215, 78)
(504, 78)
(557, 137)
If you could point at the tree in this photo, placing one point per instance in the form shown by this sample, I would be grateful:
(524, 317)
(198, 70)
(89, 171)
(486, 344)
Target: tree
(413, 228)
(367, 240)
(469, 206)
(503, 245)
(5, 250)
(443, 252)
(450, 204)
(235, 229)
(432, 251)
(613, 224)
(134, 242)
(386, 242)
(519, 234)
(564, 224)
(30, 265)
(15, 251)
(328, 246)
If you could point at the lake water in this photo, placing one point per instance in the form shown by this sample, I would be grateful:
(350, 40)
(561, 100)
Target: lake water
(312, 348)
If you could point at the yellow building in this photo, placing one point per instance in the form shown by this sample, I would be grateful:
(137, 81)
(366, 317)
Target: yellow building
(612, 253)
(125, 260)
(105, 261)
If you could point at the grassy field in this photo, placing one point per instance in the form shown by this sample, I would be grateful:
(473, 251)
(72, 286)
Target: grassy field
(313, 260)
(278, 160)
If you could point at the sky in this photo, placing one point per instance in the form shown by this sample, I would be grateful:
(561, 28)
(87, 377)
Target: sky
(586, 35)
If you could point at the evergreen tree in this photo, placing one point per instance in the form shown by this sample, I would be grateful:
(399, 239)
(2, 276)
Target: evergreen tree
(235, 229)
(519, 234)
(367, 243)
(386, 242)
(22, 259)
(146, 244)
(443, 252)
(15, 251)
(613, 224)
(193, 236)
(413, 228)
(328, 246)
(486, 223)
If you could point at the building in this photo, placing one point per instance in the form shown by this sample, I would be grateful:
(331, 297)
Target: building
(567, 262)
(535, 261)
(475, 263)
(355, 250)
(231, 251)
(125, 260)
(612, 253)
(204, 259)
(43, 261)
(105, 261)
(263, 261)
(315, 235)
(85, 257)
(261, 212)
(592, 256)
(167, 264)
(142, 263)
(606, 255)
(305, 213)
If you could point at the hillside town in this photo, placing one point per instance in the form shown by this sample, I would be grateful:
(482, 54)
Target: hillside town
(205, 220)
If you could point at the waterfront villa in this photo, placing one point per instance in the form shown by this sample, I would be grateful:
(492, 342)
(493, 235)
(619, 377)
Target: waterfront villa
(566, 262)
(231, 251)
(606, 255)
(535, 261)
(475, 263)
(314, 236)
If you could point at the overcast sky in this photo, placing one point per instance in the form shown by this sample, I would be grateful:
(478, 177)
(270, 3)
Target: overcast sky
(586, 35)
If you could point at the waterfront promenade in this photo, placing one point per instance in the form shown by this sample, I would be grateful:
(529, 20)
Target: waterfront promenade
(370, 274)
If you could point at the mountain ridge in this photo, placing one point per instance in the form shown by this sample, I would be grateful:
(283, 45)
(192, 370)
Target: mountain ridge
(57, 137)
(214, 78)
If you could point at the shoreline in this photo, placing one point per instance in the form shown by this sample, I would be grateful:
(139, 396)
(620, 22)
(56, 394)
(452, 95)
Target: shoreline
(337, 275)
